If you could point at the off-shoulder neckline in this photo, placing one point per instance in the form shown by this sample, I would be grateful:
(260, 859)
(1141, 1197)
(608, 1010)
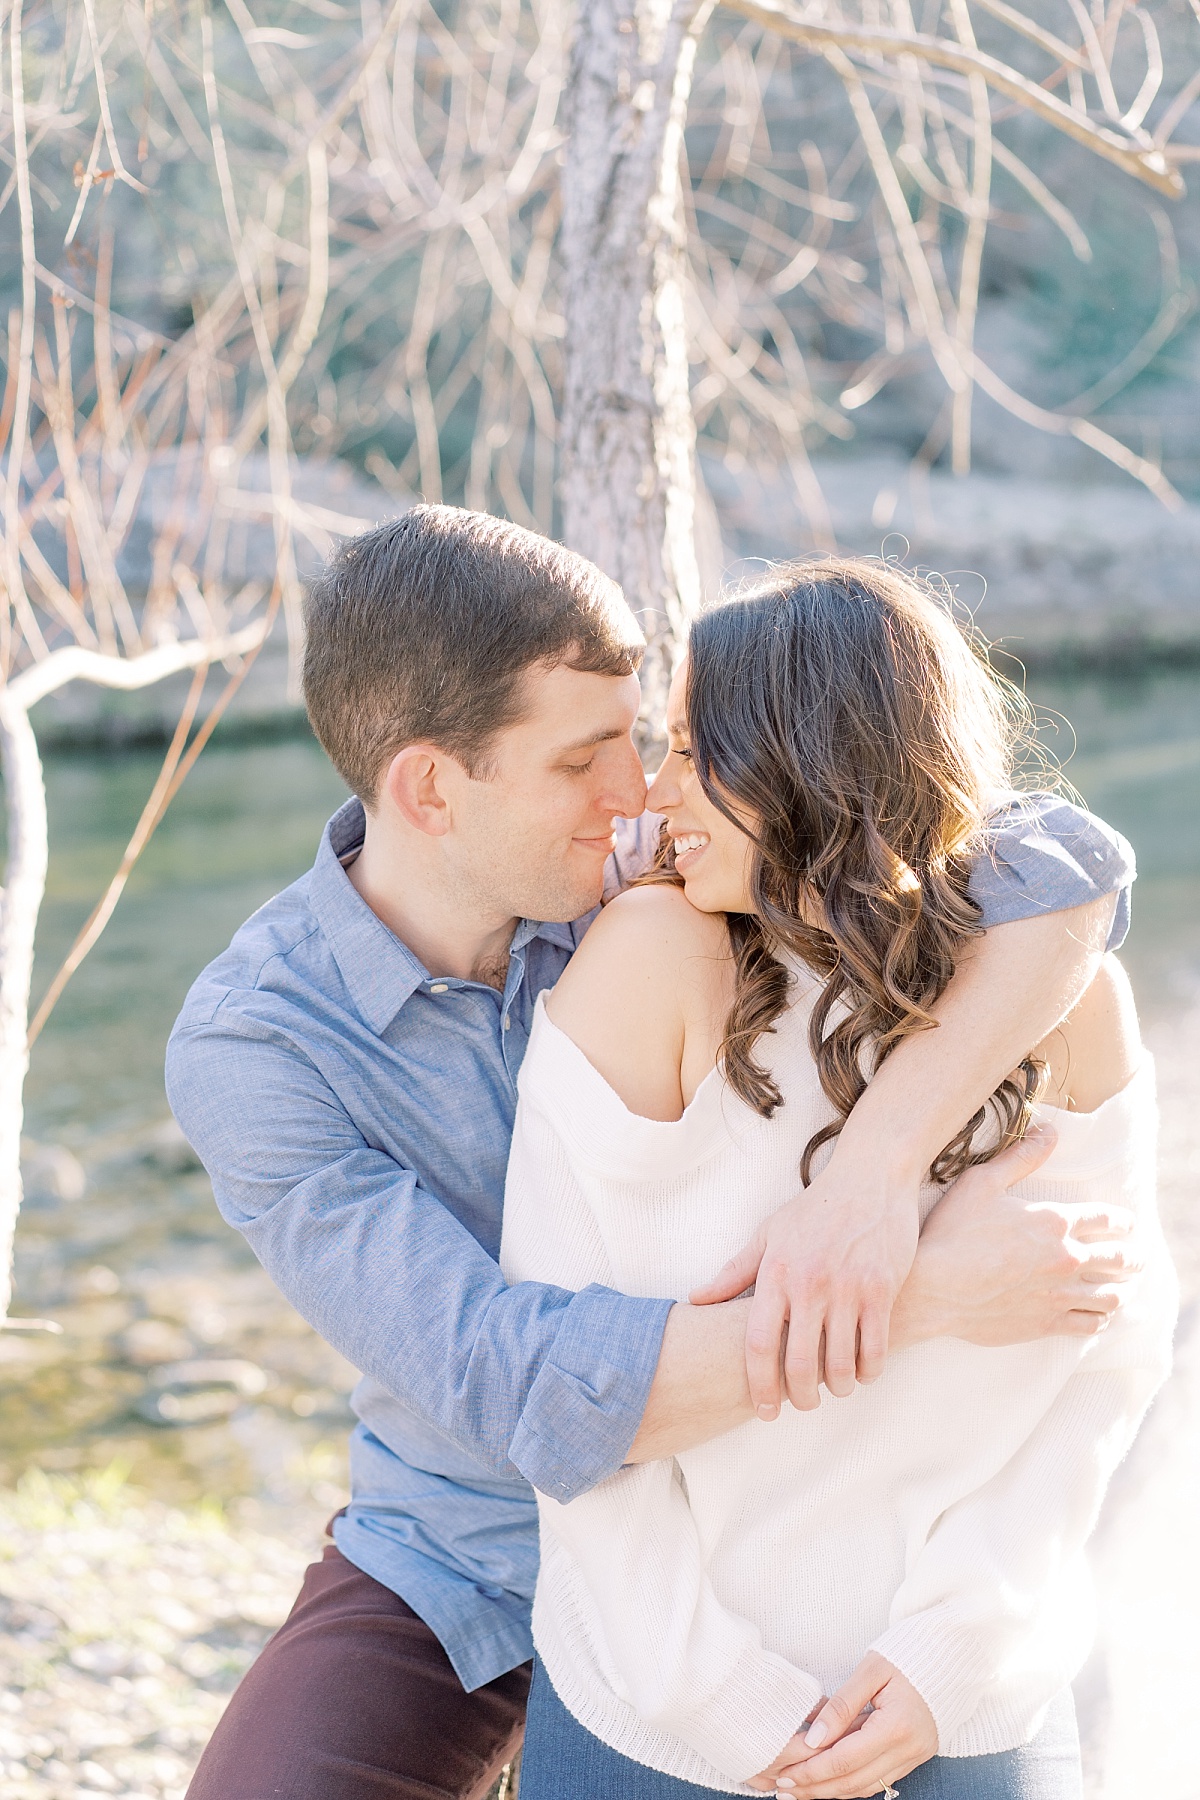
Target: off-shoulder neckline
(714, 1078)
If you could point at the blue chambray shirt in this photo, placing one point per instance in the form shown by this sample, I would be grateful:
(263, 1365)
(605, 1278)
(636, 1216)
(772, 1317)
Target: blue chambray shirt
(354, 1112)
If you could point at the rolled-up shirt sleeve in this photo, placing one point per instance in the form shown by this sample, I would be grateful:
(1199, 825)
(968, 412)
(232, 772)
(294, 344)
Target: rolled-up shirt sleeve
(1044, 854)
(531, 1378)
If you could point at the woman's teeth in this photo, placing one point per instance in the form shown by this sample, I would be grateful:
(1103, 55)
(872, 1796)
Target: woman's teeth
(694, 841)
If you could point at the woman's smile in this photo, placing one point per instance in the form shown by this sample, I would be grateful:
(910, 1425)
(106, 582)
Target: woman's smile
(689, 847)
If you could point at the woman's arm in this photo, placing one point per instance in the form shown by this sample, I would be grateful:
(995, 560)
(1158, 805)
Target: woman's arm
(831, 1262)
(1097, 1048)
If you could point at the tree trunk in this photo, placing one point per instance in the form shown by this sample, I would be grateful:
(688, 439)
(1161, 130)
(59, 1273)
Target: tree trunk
(25, 797)
(628, 434)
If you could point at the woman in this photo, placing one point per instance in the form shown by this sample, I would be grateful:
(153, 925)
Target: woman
(914, 1550)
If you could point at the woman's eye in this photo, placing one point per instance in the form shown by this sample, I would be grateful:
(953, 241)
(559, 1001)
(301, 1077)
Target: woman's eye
(686, 754)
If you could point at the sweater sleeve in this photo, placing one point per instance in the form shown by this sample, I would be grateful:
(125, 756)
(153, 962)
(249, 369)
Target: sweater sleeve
(969, 1610)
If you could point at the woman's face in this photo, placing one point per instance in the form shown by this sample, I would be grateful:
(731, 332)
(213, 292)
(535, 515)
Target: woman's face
(712, 855)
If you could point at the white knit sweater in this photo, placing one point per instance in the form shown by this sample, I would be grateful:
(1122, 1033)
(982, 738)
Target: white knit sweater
(690, 1613)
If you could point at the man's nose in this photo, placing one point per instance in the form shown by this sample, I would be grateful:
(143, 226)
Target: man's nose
(628, 793)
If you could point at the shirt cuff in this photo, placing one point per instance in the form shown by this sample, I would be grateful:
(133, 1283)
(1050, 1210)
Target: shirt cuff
(586, 1402)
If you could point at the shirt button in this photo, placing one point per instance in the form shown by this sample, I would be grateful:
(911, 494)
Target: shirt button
(507, 1024)
(439, 987)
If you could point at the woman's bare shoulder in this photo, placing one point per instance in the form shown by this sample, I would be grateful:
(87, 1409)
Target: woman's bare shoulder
(651, 971)
(1098, 1048)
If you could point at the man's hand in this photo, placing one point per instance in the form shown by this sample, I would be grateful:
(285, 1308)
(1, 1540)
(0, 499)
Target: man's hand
(990, 1268)
(826, 1268)
(875, 1729)
(995, 1269)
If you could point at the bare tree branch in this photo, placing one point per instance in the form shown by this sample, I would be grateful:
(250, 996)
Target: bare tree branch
(1147, 162)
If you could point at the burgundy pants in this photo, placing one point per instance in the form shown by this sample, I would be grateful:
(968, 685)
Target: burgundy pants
(355, 1699)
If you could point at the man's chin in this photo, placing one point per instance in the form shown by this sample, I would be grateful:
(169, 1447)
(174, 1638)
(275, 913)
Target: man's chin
(559, 905)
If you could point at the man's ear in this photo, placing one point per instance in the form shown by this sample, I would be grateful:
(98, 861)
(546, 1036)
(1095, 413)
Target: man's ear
(415, 781)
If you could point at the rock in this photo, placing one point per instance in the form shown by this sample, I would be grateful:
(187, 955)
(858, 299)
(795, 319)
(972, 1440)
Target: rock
(52, 1172)
(105, 1659)
(99, 1280)
(150, 1342)
(201, 1390)
(246, 1377)
(169, 1151)
(203, 1407)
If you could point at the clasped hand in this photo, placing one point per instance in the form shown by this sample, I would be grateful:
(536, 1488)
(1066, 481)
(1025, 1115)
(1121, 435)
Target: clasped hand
(838, 1271)
(875, 1729)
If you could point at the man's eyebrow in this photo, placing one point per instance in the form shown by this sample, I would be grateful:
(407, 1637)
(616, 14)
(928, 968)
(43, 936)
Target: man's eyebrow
(588, 743)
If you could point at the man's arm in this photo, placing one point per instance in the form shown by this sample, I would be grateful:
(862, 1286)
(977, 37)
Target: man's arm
(832, 1261)
(988, 1268)
(533, 1376)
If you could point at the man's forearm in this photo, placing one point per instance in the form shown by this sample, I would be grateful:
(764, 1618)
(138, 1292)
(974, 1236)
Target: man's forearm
(700, 1389)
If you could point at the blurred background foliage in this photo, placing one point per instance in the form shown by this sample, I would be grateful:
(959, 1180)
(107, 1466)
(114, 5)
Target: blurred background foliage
(438, 360)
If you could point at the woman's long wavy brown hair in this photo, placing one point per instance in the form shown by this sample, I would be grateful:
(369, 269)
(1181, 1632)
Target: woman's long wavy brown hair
(838, 715)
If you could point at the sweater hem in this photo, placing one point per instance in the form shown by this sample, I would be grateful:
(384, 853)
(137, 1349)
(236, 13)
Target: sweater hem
(618, 1725)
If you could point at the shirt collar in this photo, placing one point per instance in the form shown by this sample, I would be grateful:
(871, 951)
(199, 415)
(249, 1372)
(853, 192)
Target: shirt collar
(380, 972)
(551, 931)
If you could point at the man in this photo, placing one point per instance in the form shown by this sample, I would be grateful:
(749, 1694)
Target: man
(347, 1071)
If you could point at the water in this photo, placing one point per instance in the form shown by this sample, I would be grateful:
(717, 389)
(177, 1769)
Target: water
(177, 1357)
(1134, 755)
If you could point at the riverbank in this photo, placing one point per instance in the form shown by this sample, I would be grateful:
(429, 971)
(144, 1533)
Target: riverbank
(1064, 577)
(124, 1626)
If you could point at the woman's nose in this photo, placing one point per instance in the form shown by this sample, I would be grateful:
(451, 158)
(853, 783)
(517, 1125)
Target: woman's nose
(664, 789)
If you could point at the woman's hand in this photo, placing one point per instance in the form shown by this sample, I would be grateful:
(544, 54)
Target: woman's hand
(826, 1269)
(874, 1730)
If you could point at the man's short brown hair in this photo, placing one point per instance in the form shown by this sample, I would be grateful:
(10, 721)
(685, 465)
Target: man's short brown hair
(420, 632)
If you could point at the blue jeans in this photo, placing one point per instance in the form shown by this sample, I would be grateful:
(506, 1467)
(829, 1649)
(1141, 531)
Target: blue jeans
(562, 1761)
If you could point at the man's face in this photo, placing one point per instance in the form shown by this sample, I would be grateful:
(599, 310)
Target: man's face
(530, 840)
